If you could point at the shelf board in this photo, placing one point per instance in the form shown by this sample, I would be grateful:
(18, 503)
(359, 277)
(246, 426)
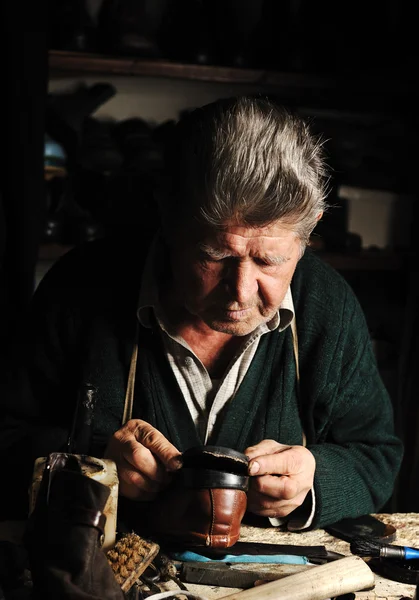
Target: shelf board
(362, 261)
(132, 66)
(76, 62)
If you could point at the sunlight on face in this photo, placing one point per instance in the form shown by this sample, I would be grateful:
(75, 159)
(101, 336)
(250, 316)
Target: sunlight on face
(235, 279)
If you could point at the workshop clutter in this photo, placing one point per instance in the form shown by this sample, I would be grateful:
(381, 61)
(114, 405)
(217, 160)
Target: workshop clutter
(99, 173)
(285, 36)
(73, 547)
(70, 554)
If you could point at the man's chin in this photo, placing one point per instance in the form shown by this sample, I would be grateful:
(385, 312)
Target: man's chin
(232, 328)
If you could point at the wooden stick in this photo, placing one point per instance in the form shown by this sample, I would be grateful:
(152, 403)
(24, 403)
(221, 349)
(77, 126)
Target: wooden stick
(349, 574)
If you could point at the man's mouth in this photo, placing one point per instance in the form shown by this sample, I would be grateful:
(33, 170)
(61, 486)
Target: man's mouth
(237, 315)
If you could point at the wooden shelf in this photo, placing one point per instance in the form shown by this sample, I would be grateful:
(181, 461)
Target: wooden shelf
(75, 62)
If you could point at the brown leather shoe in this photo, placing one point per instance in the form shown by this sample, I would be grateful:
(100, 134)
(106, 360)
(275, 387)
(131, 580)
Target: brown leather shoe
(206, 502)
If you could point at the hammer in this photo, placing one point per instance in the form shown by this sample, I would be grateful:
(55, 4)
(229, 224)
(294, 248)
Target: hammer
(349, 574)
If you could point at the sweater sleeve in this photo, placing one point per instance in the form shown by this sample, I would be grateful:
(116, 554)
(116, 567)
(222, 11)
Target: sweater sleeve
(357, 452)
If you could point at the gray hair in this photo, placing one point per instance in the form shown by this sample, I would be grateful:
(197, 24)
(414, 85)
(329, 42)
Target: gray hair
(248, 160)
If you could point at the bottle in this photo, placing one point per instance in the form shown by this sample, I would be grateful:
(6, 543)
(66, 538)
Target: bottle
(81, 430)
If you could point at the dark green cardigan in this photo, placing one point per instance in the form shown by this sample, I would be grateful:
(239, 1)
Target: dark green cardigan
(82, 329)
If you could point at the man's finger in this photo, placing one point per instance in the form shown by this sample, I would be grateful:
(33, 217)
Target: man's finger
(159, 446)
(265, 447)
(266, 506)
(142, 460)
(275, 487)
(135, 485)
(288, 461)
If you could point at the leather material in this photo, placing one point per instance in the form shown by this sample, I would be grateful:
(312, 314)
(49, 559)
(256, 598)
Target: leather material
(80, 516)
(206, 502)
(199, 517)
(64, 533)
(216, 457)
(210, 478)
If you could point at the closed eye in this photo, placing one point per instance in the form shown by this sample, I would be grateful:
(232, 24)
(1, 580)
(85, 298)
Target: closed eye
(276, 261)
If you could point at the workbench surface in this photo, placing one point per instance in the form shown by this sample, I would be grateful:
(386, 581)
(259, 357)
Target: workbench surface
(407, 525)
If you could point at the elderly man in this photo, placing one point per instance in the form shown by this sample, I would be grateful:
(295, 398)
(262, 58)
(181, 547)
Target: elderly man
(224, 330)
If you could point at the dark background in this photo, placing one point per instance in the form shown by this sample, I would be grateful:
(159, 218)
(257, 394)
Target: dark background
(349, 68)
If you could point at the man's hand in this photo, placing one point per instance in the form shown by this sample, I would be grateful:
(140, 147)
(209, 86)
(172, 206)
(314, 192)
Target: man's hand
(144, 458)
(281, 478)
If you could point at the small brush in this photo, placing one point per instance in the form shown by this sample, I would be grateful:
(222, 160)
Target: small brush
(130, 557)
(376, 549)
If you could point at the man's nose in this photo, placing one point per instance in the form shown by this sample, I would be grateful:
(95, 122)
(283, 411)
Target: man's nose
(241, 280)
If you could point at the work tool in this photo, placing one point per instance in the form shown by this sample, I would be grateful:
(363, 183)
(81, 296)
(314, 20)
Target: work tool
(315, 554)
(349, 574)
(130, 557)
(377, 549)
(279, 559)
(237, 575)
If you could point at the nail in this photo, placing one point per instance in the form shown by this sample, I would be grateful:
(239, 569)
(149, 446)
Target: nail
(175, 463)
(254, 468)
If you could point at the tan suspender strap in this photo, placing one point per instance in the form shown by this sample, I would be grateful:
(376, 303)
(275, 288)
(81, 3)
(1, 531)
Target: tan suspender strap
(297, 369)
(295, 344)
(129, 396)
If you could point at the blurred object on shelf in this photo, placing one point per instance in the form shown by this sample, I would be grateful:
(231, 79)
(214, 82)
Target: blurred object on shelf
(67, 222)
(237, 23)
(384, 219)
(67, 111)
(188, 32)
(98, 149)
(130, 27)
(135, 140)
(55, 159)
(70, 26)
(161, 134)
(360, 145)
(280, 42)
(293, 36)
(332, 228)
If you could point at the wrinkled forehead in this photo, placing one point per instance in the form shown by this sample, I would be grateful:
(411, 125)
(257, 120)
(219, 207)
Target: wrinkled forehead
(237, 239)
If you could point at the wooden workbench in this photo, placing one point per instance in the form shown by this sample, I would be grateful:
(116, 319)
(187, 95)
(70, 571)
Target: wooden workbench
(407, 525)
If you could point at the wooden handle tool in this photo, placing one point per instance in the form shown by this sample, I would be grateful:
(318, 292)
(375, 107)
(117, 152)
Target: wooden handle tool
(349, 574)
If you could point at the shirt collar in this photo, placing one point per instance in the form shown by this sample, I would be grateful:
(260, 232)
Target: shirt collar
(148, 302)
